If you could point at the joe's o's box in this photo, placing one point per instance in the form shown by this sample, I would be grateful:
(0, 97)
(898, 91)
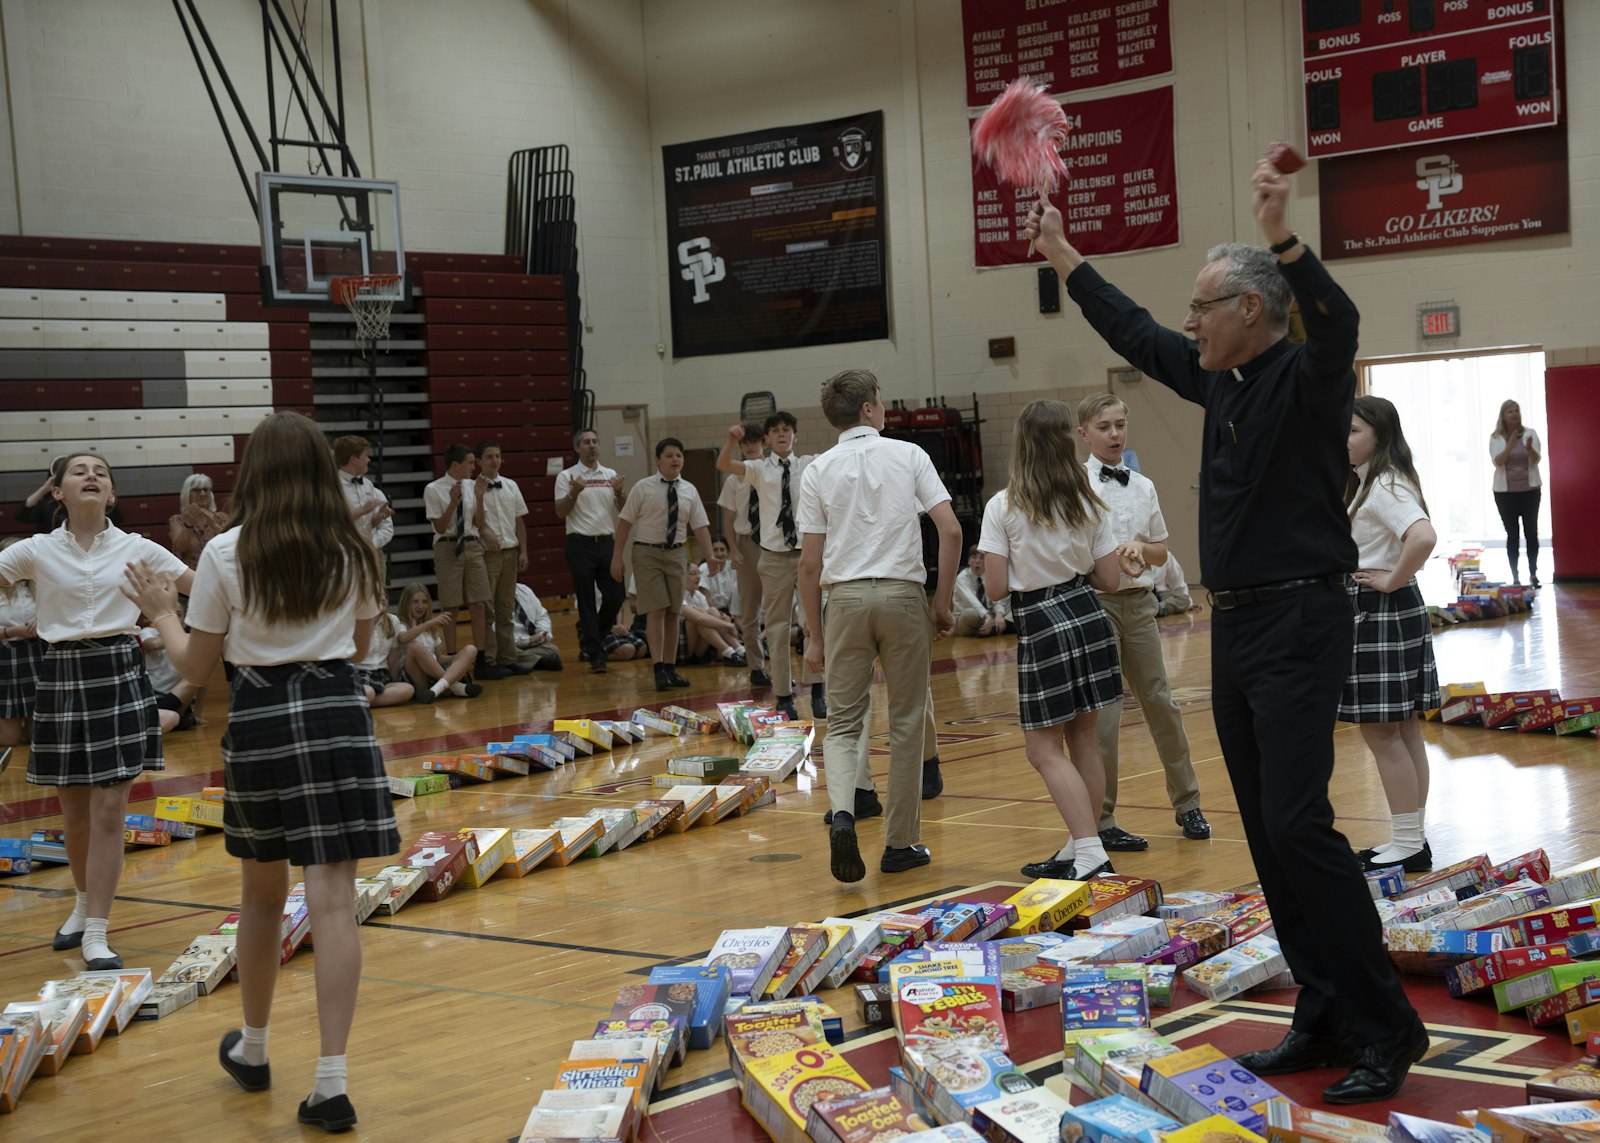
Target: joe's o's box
(442, 857)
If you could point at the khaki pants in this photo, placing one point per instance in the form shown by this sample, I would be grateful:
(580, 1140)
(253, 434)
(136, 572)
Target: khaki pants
(502, 603)
(545, 657)
(968, 621)
(750, 600)
(878, 622)
(780, 571)
(930, 745)
(1133, 618)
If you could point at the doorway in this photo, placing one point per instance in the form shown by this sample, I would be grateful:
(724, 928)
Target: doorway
(1448, 406)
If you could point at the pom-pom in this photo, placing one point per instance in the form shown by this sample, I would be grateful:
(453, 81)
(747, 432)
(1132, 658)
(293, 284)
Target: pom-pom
(1020, 136)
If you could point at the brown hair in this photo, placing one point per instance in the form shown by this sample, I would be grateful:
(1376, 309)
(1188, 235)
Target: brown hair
(1047, 485)
(1091, 405)
(1500, 421)
(1391, 455)
(347, 448)
(299, 552)
(843, 394)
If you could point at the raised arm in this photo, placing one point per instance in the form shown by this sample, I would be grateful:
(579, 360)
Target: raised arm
(728, 460)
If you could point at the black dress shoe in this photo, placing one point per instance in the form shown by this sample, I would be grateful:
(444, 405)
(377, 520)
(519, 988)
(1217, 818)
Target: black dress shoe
(1298, 1052)
(64, 941)
(844, 854)
(663, 677)
(904, 858)
(473, 689)
(1380, 1068)
(1098, 871)
(932, 779)
(332, 1115)
(491, 672)
(516, 669)
(597, 664)
(1119, 840)
(819, 701)
(1052, 867)
(104, 963)
(251, 1077)
(760, 678)
(867, 806)
(784, 704)
(676, 679)
(1195, 826)
(1419, 862)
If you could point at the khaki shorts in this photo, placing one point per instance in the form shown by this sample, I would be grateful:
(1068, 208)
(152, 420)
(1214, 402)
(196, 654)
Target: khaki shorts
(463, 578)
(658, 575)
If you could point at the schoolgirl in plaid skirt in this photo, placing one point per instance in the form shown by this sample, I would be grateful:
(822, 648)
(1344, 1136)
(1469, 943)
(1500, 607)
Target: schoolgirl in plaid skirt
(289, 594)
(1393, 678)
(1048, 541)
(21, 650)
(95, 726)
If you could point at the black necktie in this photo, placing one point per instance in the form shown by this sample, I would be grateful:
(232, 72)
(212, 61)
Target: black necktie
(524, 618)
(461, 520)
(672, 511)
(786, 512)
(753, 514)
(492, 485)
(983, 597)
(357, 479)
(1120, 475)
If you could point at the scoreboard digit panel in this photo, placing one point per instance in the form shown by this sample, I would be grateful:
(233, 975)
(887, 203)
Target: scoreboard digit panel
(1392, 73)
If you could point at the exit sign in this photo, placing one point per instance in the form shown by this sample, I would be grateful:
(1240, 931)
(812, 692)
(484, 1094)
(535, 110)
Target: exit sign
(1437, 321)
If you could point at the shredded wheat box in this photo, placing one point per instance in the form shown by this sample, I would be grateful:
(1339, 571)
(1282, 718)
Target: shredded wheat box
(442, 857)
(643, 1047)
(1046, 905)
(63, 1017)
(605, 1073)
(165, 999)
(602, 1123)
(136, 985)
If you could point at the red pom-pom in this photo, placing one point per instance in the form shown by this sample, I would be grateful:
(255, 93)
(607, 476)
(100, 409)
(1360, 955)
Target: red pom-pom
(1020, 136)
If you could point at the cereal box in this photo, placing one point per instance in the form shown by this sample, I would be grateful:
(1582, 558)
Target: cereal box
(696, 800)
(442, 857)
(1583, 1023)
(752, 954)
(1117, 895)
(956, 1076)
(1245, 918)
(703, 765)
(1036, 986)
(16, 855)
(1046, 905)
(1191, 904)
(418, 785)
(206, 962)
(1554, 1009)
(198, 811)
(605, 1073)
(841, 938)
(1551, 926)
(403, 882)
(781, 1090)
(588, 729)
(707, 988)
(595, 1121)
(529, 847)
(691, 722)
(494, 847)
(866, 934)
(966, 1009)
(1290, 1123)
(806, 944)
(650, 720)
(1414, 1129)
(1021, 1117)
(1203, 1082)
(1578, 1080)
(165, 999)
(874, 1003)
(1115, 1119)
(1482, 972)
(1212, 1130)
(1096, 1001)
(1131, 937)
(870, 1117)
(757, 1035)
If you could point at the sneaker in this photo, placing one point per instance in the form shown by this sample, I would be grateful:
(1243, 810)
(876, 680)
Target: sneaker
(1195, 826)
(932, 779)
(251, 1077)
(1120, 840)
(819, 701)
(844, 855)
(332, 1115)
(1052, 867)
(760, 678)
(904, 858)
(867, 806)
(784, 704)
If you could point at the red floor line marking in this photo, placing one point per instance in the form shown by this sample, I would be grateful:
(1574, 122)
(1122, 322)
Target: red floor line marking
(123, 929)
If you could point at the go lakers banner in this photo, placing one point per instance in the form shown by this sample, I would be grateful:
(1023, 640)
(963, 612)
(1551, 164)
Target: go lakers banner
(777, 238)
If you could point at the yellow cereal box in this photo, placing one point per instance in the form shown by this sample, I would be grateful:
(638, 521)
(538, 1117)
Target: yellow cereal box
(1046, 905)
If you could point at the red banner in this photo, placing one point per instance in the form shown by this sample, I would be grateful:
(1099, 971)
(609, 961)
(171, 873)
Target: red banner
(1452, 194)
(1068, 45)
(1121, 192)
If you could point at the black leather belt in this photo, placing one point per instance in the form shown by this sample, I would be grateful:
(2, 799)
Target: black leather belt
(1242, 597)
(1029, 598)
(663, 547)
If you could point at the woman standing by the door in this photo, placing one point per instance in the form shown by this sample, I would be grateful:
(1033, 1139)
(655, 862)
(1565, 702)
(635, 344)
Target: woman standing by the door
(1516, 451)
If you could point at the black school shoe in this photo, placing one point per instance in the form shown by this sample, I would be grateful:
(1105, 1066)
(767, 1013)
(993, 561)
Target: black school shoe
(844, 854)
(1299, 1052)
(1119, 840)
(867, 806)
(1052, 867)
(251, 1077)
(64, 941)
(904, 858)
(1419, 862)
(663, 677)
(332, 1115)
(760, 678)
(932, 779)
(1380, 1068)
(819, 701)
(1194, 824)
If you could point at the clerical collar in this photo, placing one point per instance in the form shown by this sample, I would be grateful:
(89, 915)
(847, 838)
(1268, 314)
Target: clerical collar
(1262, 361)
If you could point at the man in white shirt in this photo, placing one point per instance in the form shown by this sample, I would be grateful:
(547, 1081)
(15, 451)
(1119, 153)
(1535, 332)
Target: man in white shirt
(505, 556)
(777, 480)
(588, 497)
(536, 648)
(859, 508)
(454, 504)
(369, 507)
(741, 522)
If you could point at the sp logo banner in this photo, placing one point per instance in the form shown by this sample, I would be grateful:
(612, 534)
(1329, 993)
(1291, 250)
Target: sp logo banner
(700, 266)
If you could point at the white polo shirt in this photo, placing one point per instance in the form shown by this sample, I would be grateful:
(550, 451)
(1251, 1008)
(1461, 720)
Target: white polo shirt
(436, 502)
(503, 506)
(79, 593)
(646, 510)
(865, 495)
(1039, 557)
(595, 513)
(1379, 525)
(1135, 514)
(766, 477)
(358, 490)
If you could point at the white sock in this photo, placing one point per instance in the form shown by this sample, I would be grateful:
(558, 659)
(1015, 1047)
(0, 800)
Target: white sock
(438, 687)
(251, 1048)
(1088, 854)
(330, 1080)
(460, 691)
(727, 652)
(94, 940)
(79, 916)
(1065, 852)
(1405, 838)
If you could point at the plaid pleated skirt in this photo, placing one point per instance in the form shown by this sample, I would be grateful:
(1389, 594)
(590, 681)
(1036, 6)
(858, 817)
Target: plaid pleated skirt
(1066, 654)
(94, 716)
(304, 779)
(1392, 673)
(19, 676)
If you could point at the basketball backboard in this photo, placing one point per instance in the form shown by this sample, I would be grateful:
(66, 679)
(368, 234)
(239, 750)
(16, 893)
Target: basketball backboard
(317, 227)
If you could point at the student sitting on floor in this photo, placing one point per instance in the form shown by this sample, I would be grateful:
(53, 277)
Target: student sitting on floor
(536, 649)
(626, 639)
(380, 675)
(976, 613)
(429, 668)
(709, 636)
(1172, 589)
(174, 696)
(722, 589)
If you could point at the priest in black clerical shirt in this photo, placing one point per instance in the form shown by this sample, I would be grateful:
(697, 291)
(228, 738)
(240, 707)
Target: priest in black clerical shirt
(1275, 547)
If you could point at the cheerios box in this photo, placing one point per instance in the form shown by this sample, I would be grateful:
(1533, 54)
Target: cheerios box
(1046, 905)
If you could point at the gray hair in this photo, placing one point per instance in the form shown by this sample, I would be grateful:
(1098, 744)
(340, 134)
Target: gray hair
(1252, 269)
(196, 480)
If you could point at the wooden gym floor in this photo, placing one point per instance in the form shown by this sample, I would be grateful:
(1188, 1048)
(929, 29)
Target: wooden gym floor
(468, 1004)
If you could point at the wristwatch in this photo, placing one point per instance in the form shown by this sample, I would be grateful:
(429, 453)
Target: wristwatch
(1286, 245)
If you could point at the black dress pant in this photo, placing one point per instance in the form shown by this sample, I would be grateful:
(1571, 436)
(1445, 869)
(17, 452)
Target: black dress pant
(1520, 508)
(589, 558)
(1277, 671)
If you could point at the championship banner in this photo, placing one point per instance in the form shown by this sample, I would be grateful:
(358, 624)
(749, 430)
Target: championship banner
(1121, 189)
(1067, 45)
(776, 238)
(1446, 194)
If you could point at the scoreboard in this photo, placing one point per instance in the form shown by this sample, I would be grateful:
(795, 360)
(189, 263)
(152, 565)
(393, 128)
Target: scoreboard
(1392, 73)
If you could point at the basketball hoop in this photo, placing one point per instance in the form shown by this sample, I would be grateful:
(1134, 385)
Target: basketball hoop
(370, 298)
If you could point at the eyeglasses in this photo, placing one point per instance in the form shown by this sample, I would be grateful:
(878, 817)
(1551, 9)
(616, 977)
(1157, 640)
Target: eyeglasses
(1198, 308)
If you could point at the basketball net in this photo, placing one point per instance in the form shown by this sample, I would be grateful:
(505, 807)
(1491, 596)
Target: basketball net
(370, 298)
